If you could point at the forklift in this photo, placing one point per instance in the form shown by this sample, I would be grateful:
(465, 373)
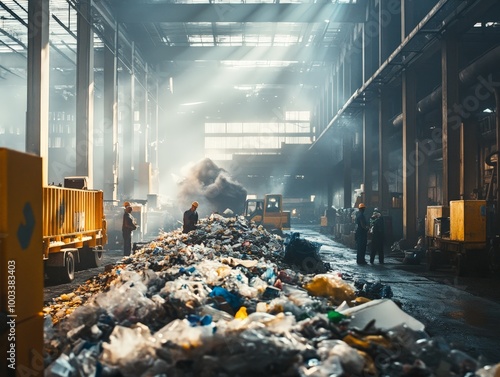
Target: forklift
(268, 212)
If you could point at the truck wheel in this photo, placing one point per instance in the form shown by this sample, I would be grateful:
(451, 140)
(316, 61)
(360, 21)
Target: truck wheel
(66, 273)
(91, 258)
(462, 267)
(431, 259)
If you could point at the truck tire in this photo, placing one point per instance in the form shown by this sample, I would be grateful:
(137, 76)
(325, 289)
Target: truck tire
(493, 260)
(66, 273)
(91, 258)
(62, 274)
(461, 268)
(431, 259)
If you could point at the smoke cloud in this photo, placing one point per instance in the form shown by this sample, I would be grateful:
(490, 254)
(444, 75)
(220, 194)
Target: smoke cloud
(212, 187)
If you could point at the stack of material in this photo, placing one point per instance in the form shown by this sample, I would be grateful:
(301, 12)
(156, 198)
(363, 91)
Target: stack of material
(220, 301)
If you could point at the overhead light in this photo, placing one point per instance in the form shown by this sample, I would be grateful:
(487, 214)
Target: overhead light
(487, 110)
(171, 85)
(192, 103)
(243, 87)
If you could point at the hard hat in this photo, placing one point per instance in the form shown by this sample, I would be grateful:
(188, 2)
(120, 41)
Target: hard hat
(361, 205)
(126, 204)
(194, 204)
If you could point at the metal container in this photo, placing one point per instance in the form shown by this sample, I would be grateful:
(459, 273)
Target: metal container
(434, 212)
(468, 220)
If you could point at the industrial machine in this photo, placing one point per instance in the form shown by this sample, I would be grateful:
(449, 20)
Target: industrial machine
(458, 235)
(268, 212)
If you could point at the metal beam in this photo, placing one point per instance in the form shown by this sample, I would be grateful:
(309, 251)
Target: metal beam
(110, 114)
(384, 101)
(241, 53)
(85, 92)
(37, 114)
(409, 81)
(347, 158)
(137, 12)
(451, 119)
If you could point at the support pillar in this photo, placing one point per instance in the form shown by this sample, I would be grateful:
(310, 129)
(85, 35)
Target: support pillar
(422, 182)
(156, 125)
(127, 148)
(143, 186)
(451, 121)
(369, 140)
(384, 196)
(37, 115)
(409, 156)
(110, 114)
(468, 159)
(347, 157)
(85, 92)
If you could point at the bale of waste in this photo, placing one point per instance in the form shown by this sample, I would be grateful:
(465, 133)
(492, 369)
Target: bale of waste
(304, 255)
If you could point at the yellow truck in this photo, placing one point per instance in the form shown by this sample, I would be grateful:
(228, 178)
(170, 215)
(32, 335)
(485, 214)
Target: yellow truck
(268, 212)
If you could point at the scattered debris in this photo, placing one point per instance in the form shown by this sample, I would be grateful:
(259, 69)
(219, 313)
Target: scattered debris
(222, 301)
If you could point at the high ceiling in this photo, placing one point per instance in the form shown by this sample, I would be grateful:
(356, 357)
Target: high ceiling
(242, 57)
(220, 54)
(260, 54)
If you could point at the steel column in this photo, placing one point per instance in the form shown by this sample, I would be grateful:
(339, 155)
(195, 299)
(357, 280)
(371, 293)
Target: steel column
(451, 121)
(142, 106)
(127, 148)
(369, 139)
(409, 155)
(422, 182)
(37, 114)
(347, 157)
(384, 197)
(468, 159)
(389, 28)
(110, 113)
(85, 92)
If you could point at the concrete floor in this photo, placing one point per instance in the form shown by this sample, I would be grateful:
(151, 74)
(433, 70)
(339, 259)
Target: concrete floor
(463, 311)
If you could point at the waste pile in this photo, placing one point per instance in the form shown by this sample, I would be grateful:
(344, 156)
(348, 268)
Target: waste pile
(221, 301)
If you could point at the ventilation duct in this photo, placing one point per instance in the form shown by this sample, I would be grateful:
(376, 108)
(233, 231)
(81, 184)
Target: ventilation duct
(488, 63)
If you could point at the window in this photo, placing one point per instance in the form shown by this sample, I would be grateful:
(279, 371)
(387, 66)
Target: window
(222, 140)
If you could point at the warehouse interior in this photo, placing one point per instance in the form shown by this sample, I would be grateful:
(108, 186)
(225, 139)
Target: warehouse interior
(324, 103)
(129, 93)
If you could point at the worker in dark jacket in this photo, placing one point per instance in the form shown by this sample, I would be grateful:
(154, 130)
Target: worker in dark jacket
(361, 234)
(128, 226)
(190, 218)
(377, 232)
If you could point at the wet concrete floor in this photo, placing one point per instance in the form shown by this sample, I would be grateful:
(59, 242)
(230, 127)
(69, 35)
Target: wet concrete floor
(465, 312)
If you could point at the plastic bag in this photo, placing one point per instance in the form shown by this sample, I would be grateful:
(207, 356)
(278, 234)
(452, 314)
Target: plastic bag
(328, 285)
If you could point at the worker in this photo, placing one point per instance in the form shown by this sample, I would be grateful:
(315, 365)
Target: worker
(361, 234)
(128, 226)
(190, 218)
(331, 218)
(377, 232)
